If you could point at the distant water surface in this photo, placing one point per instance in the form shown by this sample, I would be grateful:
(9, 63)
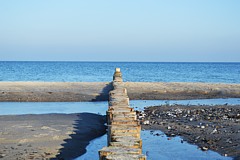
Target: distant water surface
(132, 71)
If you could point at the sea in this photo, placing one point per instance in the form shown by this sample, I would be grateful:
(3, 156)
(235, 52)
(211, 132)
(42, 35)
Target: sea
(132, 71)
(155, 147)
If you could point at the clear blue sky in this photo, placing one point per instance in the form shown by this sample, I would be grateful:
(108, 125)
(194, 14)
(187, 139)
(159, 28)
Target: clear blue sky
(125, 30)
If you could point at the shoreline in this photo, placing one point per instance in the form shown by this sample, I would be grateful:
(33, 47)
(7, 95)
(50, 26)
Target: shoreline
(209, 127)
(98, 91)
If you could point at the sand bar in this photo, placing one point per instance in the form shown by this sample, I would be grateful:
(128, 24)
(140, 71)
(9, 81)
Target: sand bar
(48, 136)
(98, 91)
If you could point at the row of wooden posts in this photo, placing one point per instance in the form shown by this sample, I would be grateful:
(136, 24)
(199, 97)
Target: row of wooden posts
(124, 142)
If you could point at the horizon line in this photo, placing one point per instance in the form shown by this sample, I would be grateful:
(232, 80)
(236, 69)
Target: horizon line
(120, 61)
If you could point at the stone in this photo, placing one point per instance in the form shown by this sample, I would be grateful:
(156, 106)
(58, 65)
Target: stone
(2, 155)
(214, 131)
(204, 148)
(146, 122)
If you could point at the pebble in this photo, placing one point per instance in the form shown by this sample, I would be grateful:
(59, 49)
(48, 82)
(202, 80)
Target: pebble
(229, 141)
(157, 134)
(204, 148)
(2, 155)
(147, 122)
(214, 131)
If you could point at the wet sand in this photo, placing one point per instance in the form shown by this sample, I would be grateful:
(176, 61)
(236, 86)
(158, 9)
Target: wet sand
(98, 91)
(210, 127)
(48, 136)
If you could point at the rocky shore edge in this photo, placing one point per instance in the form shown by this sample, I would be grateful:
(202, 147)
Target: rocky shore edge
(214, 128)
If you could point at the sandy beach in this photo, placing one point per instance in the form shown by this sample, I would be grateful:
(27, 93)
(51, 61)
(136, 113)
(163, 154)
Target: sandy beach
(65, 136)
(48, 136)
(98, 91)
(210, 127)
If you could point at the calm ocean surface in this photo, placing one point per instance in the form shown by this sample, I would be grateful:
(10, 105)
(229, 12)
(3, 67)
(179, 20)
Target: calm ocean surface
(132, 71)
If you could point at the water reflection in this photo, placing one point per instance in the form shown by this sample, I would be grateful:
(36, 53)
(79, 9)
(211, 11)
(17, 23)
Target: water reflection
(158, 147)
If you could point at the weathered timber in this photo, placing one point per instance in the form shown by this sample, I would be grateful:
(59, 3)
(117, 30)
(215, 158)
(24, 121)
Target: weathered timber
(124, 129)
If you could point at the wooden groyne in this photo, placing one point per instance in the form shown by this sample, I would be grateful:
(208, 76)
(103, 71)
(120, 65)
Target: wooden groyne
(124, 142)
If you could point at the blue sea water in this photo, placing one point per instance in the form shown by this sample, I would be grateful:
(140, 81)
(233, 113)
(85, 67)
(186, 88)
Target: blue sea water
(132, 71)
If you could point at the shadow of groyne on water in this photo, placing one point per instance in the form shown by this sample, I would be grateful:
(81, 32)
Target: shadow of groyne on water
(87, 127)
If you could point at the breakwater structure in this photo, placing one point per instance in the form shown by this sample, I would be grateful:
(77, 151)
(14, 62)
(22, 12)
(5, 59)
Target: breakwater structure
(123, 136)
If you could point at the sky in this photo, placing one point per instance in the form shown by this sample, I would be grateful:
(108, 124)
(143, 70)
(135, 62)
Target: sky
(126, 30)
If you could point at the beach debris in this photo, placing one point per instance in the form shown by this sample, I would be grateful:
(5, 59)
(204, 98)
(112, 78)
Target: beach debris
(147, 122)
(229, 141)
(2, 155)
(204, 148)
(214, 131)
